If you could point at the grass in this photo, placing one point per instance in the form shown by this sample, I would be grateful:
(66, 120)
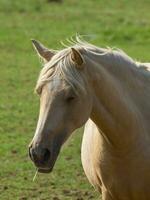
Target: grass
(124, 24)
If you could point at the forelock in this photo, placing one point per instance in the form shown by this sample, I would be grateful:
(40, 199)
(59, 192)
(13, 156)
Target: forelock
(61, 66)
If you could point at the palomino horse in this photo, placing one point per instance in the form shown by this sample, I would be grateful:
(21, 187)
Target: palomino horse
(108, 91)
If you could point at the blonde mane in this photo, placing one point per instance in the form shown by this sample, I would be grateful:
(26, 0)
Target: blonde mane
(62, 66)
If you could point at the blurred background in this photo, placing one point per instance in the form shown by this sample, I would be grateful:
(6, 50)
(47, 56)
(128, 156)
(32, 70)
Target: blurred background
(117, 23)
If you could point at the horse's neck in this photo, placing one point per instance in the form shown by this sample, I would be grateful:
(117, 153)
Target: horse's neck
(114, 110)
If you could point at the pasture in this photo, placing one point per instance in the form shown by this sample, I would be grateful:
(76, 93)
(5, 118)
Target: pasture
(124, 24)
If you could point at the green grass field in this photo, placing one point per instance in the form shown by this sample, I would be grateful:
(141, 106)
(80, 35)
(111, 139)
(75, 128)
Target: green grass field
(120, 23)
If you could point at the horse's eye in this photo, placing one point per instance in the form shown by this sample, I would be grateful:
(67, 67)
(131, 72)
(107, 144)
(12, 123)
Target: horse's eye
(70, 99)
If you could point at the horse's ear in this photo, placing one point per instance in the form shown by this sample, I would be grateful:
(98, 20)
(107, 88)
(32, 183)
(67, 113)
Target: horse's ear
(42, 51)
(77, 57)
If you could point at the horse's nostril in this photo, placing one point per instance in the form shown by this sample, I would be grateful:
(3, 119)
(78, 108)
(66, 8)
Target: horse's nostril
(46, 156)
(40, 156)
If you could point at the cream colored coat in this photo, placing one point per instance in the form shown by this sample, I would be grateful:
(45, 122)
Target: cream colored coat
(112, 90)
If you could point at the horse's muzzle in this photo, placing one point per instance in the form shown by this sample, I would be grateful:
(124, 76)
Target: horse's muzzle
(41, 158)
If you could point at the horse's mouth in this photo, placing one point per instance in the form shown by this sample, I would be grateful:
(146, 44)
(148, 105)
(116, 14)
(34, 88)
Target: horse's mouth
(48, 168)
(45, 170)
